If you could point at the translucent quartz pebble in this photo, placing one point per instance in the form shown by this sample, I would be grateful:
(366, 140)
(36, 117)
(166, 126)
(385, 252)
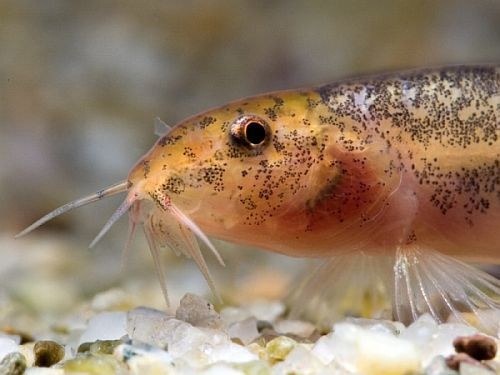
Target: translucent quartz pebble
(220, 369)
(232, 353)
(295, 327)
(420, 332)
(260, 310)
(441, 342)
(198, 312)
(44, 371)
(7, 345)
(266, 310)
(105, 326)
(387, 326)
(279, 347)
(144, 359)
(359, 349)
(468, 369)
(299, 361)
(438, 367)
(148, 325)
(245, 330)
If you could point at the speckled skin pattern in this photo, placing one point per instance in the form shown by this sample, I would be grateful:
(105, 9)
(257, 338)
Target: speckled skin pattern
(377, 163)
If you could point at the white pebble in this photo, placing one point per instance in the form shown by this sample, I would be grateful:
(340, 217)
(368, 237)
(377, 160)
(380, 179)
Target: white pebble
(198, 312)
(362, 350)
(7, 345)
(105, 326)
(294, 327)
(221, 369)
(148, 325)
(232, 353)
(299, 361)
(441, 342)
(266, 310)
(44, 371)
(245, 330)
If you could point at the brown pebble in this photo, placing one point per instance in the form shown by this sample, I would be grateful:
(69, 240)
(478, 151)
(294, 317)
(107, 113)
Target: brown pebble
(453, 361)
(48, 353)
(477, 346)
(264, 324)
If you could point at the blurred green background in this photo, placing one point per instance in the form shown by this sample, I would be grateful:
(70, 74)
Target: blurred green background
(81, 82)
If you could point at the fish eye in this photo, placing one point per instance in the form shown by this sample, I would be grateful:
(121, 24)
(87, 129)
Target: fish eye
(250, 131)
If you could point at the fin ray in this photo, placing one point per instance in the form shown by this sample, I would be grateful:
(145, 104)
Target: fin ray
(413, 281)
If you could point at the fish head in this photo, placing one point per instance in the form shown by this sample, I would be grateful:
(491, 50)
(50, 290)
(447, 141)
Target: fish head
(259, 171)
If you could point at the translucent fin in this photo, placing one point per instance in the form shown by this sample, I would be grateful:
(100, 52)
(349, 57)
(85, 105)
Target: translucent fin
(404, 286)
(111, 190)
(161, 128)
(123, 208)
(132, 227)
(170, 230)
(197, 231)
(353, 284)
(153, 247)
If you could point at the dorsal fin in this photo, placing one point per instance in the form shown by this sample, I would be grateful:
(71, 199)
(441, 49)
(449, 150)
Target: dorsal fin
(161, 128)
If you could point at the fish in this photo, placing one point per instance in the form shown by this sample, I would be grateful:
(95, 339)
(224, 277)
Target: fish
(392, 180)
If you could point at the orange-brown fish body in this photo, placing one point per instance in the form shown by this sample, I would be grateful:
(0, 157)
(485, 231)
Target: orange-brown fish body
(369, 164)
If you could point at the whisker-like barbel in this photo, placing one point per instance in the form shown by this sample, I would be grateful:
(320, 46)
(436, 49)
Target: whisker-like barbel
(119, 187)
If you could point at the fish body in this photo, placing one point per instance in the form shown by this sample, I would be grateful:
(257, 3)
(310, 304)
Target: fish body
(367, 164)
(402, 168)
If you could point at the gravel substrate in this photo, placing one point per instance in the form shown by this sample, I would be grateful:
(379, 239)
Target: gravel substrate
(249, 339)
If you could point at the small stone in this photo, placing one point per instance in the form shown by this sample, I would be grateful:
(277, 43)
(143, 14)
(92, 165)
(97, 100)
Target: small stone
(198, 312)
(91, 365)
(105, 326)
(266, 310)
(259, 351)
(104, 346)
(44, 371)
(254, 368)
(421, 330)
(148, 325)
(279, 347)
(377, 325)
(13, 364)
(221, 369)
(438, 367)
(48, 353)
(470, 369)
(299, 361)
(144, 359)
(368, 352)
(264, 324)
(7, 345)
(125, 352)
(231, 353)
(440, 342)
(245, 330)
(294, 327)
(455, 361)
(478, 346)
(84, 348)
(230, 315)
